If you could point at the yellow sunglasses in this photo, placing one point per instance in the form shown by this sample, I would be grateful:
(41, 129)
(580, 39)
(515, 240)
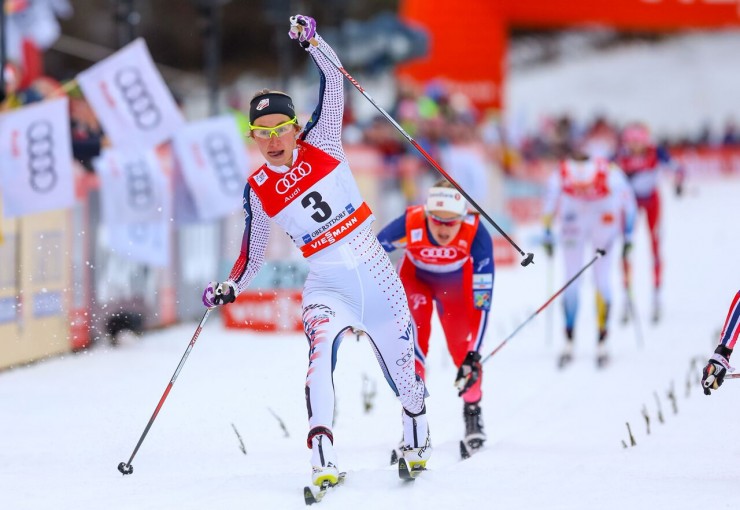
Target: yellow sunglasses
(268, 132)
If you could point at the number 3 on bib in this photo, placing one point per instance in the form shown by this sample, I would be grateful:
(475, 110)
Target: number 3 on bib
(316, 202)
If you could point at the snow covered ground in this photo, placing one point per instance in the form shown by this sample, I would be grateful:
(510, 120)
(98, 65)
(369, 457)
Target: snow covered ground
(555, 438)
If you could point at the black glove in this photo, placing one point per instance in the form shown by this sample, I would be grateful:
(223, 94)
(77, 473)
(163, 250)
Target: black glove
(714, 373)
(469, 372)
(626, 249)
(547, 242)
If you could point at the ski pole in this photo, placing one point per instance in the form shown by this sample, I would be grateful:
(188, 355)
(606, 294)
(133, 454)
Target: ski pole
(548, 316)
(631, 308)
(528, 257)
(635, 318)
(599, 253)
(125, 467)
(461, 383)
(732, 376)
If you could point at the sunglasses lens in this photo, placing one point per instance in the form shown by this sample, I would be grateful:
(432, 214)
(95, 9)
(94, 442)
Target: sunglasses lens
(444, 221)
(261, 133)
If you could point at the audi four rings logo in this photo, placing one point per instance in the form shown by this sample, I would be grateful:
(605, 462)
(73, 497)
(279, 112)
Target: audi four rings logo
(139, 185)
(405, 359)
(439, 252)
(222, 156)
(138, 98)
(291, 178)
(42, 175)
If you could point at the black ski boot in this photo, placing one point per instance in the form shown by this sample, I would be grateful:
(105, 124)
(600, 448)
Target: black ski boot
(602, 356)
(475, 436)
(567, 355)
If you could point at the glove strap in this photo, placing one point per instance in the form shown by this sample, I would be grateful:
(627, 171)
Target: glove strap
(722, 361)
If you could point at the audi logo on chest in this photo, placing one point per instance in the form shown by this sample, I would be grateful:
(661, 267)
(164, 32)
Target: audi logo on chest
(41, 173)
(139, 185)
(439, 252)
(291, 178)
(138, 98)
(223, 159)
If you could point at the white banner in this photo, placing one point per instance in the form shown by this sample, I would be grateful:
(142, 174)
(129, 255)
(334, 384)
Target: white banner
(147, 243)
(36, 159)
(133, 187)
(130, 98)
(213, 159)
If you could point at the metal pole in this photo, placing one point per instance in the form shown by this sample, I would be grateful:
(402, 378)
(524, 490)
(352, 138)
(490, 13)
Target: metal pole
(2, 51)
(126, 20)
(212, 36)
(125, 467)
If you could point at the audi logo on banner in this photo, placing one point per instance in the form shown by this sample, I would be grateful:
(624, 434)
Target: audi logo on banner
(439, 252)
(292, 177)
(139, 185)
(42, 175)
(138, 98)
(223, 159)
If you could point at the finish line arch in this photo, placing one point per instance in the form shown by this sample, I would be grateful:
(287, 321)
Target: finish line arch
(468, 41)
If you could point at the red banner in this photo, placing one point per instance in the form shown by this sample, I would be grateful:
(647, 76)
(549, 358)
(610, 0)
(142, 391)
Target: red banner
(277, 310)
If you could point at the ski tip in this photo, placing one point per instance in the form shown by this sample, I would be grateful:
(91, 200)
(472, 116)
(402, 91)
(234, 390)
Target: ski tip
(308, 496)
(407, 474)
(403, 471)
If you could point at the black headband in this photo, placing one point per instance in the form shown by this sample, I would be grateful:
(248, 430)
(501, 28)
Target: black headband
(272, 102)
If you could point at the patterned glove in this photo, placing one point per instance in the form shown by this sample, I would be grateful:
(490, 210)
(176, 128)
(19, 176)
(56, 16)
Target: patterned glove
(302, 28)
(216, 294)
(468, 373)
(717, 367)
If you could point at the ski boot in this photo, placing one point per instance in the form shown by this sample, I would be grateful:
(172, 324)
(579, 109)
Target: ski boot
(656, 312)
(474, 434)
(323, 458)
(626, 315)
(567, 355)
(602, 355)
(417, 445)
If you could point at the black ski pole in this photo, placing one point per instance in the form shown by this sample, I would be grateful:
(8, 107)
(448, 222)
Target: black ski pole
(528, 257)
(461, 383)
(599, 253)
(125, 467)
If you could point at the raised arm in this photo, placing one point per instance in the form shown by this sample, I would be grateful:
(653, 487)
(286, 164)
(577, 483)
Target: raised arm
(324, 129)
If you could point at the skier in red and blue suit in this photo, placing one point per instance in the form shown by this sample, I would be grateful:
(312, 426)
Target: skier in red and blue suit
(448, 260)
(642, 161)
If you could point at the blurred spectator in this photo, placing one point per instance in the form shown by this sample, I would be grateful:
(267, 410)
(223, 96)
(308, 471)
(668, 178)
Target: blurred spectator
(16, 94)
(731, 135)
(464, 158)
(601, 139)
